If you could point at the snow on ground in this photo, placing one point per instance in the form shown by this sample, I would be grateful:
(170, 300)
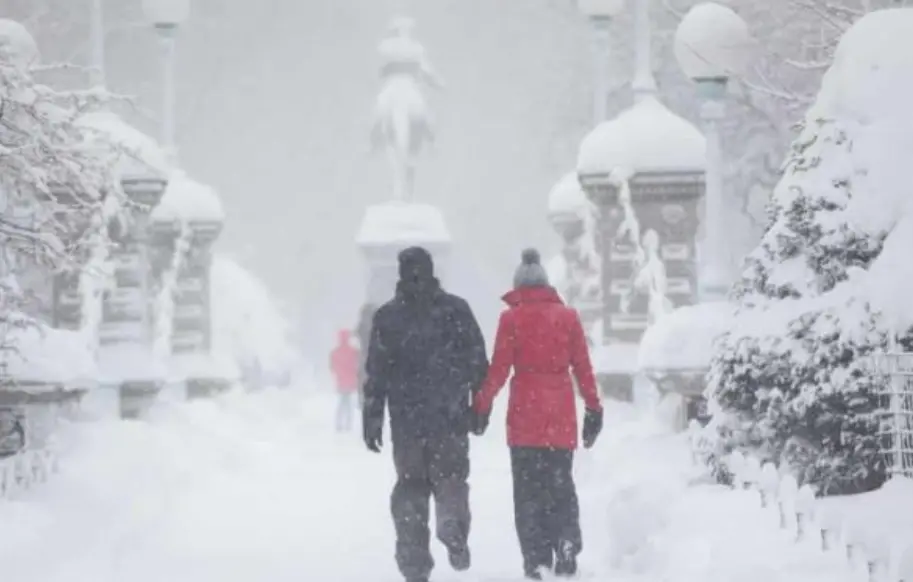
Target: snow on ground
(256, 487)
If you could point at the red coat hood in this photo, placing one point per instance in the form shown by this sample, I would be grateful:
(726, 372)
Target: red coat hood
(531, 295)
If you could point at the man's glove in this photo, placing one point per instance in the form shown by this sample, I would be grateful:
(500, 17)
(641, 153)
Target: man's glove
(592, 426)
(373, 434)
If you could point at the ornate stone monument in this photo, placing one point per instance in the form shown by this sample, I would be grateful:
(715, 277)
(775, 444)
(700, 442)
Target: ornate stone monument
(644, 171)
(403, 128)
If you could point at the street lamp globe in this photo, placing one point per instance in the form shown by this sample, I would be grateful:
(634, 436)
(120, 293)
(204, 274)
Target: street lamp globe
(166, 15)
(712, 43)
(601, 9)
(17, 44)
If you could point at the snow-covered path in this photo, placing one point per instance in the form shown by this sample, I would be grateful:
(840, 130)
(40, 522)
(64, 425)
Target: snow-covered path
(258, 488)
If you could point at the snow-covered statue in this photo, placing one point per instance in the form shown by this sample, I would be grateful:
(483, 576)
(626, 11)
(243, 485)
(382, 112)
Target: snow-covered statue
(402, 120)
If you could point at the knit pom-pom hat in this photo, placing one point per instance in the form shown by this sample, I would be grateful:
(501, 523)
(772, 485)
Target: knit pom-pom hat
(530, 272)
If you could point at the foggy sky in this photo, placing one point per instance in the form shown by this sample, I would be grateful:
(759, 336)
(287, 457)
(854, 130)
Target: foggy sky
(275, 106)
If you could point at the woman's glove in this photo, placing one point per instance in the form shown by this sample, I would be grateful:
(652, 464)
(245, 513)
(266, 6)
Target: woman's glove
(480, 422)
(592, 426)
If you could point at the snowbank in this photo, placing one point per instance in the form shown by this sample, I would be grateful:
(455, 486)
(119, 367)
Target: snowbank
(646, 137)
(402, 223)
(48, 356)
(189, 200)
(129, 363)
(683, 339)
(17, 44)
(214, 365)
(247, 323)
(141, 156)
(884, 514)
(615, 359)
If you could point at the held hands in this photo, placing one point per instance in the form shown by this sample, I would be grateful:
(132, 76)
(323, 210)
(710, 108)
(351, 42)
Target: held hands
(479, 422)
(592, 426)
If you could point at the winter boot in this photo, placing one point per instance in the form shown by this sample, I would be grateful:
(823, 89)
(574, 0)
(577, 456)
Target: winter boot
(460, 558)
(565, 560)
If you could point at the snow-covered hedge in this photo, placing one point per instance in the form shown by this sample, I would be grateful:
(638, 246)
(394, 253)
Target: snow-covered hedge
(829, 283)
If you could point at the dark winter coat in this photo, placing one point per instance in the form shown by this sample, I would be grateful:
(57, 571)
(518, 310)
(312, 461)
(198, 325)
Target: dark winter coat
(425, 360)
(542, 340)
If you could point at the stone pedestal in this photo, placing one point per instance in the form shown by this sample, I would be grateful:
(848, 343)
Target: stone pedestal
(390, 228)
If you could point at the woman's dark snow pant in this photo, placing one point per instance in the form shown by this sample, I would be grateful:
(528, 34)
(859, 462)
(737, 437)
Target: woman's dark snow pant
(546, 510)
(437, 466)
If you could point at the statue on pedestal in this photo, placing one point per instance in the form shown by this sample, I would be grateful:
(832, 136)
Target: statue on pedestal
(402, 120)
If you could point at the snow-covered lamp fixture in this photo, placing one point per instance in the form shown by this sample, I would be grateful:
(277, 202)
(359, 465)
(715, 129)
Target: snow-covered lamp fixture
(712, 44)
(601, 10)
(17, 44)
(167, 15)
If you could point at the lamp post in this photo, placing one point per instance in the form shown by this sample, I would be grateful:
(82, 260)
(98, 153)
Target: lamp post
(97, 32)
(600, 14)
(712, 43)
(167, 16)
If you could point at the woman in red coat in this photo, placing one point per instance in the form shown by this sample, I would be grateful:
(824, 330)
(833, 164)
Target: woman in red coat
(344, 361)
(542, 340)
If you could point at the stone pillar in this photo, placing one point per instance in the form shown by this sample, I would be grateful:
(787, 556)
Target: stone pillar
(127, 360)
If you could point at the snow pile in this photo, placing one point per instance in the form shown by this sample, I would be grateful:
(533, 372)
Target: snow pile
(402, 223)
(216, 365)
(188, 200)
(17, 44)
(122, 363)
(684, 339)
(139, 156)
(645, 137)
(247, 323)
(48, 356)
(828, 284)
(616, 358)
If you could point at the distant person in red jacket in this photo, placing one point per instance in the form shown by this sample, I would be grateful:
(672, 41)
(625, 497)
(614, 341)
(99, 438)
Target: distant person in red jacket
(542, 340)
(344, 362)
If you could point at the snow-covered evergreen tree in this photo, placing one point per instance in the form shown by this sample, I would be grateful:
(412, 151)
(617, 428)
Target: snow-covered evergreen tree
(790, 381)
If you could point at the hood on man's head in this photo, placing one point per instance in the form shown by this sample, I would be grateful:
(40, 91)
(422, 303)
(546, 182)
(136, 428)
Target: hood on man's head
(415, 263)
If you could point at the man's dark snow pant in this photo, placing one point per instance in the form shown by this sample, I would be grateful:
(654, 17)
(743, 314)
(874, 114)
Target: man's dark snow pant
(436, 466)
(546, 510)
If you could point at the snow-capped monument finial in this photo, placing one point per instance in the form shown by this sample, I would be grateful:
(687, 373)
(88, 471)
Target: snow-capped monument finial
(644, 83)
(402, 120)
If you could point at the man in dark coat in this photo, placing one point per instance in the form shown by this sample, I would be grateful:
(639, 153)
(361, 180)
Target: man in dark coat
(426, 360)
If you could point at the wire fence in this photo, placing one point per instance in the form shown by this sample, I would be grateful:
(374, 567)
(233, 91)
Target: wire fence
(896, 414)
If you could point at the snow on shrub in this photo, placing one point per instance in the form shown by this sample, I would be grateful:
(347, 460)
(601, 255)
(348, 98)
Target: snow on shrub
(829, 282)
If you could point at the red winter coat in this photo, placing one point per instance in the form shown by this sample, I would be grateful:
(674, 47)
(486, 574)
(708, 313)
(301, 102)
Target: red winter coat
(344, 361)
(543, 341)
